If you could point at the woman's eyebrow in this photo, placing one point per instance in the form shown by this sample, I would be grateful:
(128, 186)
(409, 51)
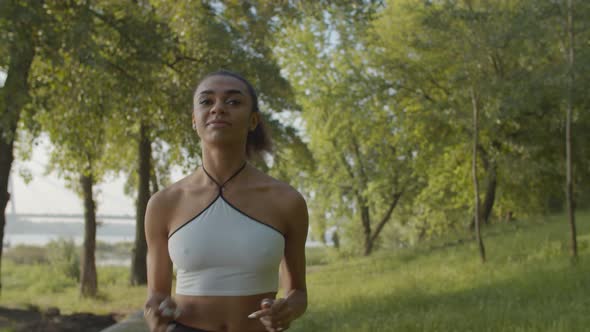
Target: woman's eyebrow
(227, 92)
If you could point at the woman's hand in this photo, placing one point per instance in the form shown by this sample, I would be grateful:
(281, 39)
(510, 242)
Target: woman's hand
(159, 311)
(275, 315)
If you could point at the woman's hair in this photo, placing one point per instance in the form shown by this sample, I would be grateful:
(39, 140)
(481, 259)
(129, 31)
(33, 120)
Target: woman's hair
(258, 140)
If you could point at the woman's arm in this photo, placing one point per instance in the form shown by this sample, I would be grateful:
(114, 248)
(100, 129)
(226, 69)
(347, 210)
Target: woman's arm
(277, 315)
(159, 265)
(293, 264)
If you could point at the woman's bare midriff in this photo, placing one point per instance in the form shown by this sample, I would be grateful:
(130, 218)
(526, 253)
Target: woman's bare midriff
(221, 313)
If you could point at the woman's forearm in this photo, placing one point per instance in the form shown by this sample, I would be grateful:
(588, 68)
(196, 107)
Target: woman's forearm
(297, 301)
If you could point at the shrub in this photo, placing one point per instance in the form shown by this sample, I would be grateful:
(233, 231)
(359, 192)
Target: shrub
(64, 257)
(27, 254)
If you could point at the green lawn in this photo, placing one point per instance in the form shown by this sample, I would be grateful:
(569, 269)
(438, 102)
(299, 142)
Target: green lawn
(528, 284)
(41, 286)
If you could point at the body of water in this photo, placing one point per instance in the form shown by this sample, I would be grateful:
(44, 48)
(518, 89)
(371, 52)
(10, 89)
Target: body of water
(11, 240)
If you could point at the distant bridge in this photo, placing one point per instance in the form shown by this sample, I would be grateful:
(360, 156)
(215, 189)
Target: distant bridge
(69, 216)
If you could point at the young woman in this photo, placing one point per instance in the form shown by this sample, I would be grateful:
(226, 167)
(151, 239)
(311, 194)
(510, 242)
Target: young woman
(227, 227)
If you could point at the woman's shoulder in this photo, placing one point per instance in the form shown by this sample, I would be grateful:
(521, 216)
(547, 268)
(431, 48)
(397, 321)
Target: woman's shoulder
(165, 200)
(282, 194)
(290, 205)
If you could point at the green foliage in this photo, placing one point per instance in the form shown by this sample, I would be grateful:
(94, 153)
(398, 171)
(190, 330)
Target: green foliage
(48, 270)
(119, 249)
(62, 253)
(316, 256)
(74, 117)
(35, 279)
(432, 54)
(209, 37)
(25, 254)
(360, 160)
(366, 100)
(43, 286)
(64, 258)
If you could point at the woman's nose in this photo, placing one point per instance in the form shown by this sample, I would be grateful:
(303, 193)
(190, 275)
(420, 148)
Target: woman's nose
(218, 107)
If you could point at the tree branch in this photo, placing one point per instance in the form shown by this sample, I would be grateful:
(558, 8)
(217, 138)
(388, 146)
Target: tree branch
(387, 215)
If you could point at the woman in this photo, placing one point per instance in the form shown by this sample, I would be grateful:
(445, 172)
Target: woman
(227, 227)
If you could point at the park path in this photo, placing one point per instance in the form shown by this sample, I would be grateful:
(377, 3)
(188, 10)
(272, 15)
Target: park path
(132, 323)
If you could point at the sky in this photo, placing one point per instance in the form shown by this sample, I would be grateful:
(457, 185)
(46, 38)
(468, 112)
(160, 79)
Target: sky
(48, 193)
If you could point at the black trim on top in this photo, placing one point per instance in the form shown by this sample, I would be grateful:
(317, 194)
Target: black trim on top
(193, 218)
(226, 181)
(258, 221)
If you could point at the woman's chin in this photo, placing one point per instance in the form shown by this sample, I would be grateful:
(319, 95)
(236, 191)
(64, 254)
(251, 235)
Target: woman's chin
(222, 140)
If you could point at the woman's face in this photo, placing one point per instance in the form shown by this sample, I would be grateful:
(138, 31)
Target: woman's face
(222, 111)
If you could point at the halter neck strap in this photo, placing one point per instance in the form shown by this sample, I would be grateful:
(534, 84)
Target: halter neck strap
(226, 181)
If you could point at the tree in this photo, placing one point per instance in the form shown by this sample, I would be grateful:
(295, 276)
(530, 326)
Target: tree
(27, 29)
(123, 31)
(361, 162)
(568, 131)
(14, 94)
(482, 252)
(440, 57)
(75, 101)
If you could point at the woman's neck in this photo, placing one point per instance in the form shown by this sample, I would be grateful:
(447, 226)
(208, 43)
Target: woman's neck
(223, 163)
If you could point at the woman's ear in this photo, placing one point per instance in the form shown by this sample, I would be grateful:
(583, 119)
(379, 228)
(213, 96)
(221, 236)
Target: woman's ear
(254, 120)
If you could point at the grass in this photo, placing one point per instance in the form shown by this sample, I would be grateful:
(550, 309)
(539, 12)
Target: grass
(528, 284)
(42, 287)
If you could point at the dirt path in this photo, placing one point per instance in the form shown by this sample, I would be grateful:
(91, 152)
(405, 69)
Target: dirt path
(32, 320)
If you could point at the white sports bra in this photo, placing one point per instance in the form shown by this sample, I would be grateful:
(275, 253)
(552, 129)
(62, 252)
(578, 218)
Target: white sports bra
(224, 252)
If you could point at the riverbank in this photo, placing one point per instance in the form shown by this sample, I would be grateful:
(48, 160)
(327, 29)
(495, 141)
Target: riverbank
(107, 253)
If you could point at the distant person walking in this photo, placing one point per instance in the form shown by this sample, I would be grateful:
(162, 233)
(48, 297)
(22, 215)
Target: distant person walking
(227, 227)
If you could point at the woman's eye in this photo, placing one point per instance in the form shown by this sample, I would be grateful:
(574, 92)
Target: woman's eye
(233, 102)
(204, 101)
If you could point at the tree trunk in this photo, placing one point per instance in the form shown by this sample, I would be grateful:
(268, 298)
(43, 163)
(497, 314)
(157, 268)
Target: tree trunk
(154, 179)
(13, 97)
(568, 132)
(336, 239)
(475, 179)
(491, 183)
(88, 281)
(385, 219)
(490, 197)
(366, 220)
(6, 158)
(138, 263)
(371, 236)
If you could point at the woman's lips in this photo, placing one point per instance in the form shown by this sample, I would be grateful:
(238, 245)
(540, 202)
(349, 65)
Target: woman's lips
(217, 124)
